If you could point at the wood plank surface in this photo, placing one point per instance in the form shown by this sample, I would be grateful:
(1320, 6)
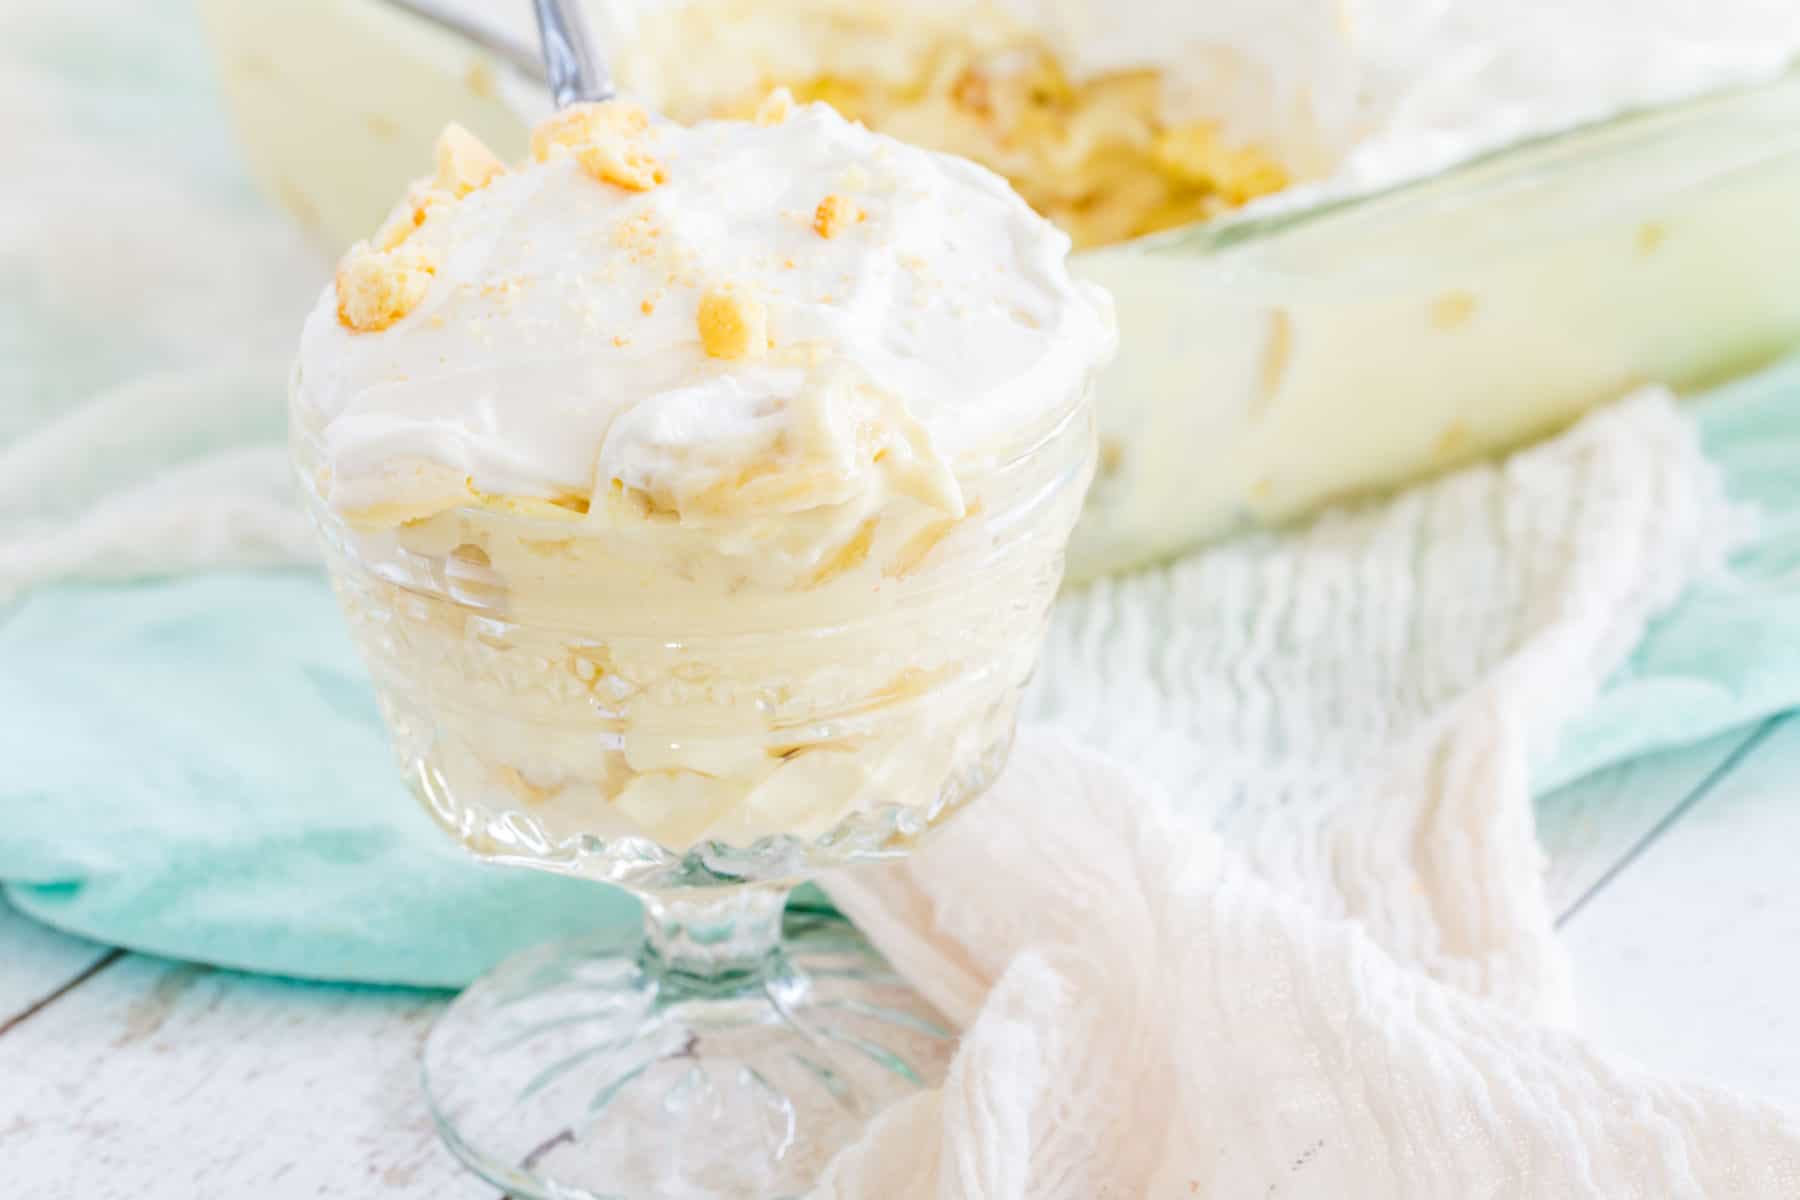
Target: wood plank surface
(1690, 959)
(36, 962)
(159, 1079)
(1592, 825)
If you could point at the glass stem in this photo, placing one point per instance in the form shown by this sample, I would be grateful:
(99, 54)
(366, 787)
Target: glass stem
(717, 936)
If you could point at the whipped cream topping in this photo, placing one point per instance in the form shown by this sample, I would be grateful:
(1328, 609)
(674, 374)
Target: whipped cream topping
(557, 353)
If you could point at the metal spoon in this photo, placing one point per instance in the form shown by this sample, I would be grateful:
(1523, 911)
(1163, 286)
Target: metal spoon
(566, 63)
(576, 75)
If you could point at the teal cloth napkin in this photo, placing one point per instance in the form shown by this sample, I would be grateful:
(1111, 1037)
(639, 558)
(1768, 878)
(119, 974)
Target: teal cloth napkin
(1729, 652)
(195, 767)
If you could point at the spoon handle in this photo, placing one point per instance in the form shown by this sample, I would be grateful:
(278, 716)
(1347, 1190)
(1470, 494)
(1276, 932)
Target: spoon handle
(575, 73)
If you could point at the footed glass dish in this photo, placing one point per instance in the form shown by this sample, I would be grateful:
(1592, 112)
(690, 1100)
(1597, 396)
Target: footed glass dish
(564, 699)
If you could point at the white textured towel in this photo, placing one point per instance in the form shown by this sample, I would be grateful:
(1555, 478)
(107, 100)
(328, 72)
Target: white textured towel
(175, 472)
(1155, 1009)
(1357, 705)
(1148, 1018)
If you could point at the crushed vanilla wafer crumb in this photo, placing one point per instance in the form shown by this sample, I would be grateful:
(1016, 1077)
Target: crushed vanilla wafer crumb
(606, 139)
(376, 288)
(464, 165)
(733, 325)
(580, 123)
(420, 202)
(617, 161)
(834, 213)
(775, 107)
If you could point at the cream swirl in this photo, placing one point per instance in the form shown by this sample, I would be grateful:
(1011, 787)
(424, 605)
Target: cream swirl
(557, 354)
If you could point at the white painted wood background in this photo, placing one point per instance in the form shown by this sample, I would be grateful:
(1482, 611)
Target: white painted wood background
(133, 1077)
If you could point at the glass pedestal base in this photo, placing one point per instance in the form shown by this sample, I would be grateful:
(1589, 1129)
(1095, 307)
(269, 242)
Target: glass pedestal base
(599, 1069)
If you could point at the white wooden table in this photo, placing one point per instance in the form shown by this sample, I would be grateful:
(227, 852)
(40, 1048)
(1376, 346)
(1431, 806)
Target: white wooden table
(126, 1076)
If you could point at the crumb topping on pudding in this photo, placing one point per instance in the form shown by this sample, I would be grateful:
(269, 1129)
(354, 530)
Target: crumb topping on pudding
(610, 140)
(464, 164)
(376, 288)
(733, 325)
(674, 314)
(380, 282)
(836, 213)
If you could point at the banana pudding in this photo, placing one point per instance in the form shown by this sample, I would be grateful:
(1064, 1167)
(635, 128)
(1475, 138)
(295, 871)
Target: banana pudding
(1105, 157)
(699, 487)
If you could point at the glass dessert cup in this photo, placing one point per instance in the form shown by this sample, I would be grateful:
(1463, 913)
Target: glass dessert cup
(564, 699)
